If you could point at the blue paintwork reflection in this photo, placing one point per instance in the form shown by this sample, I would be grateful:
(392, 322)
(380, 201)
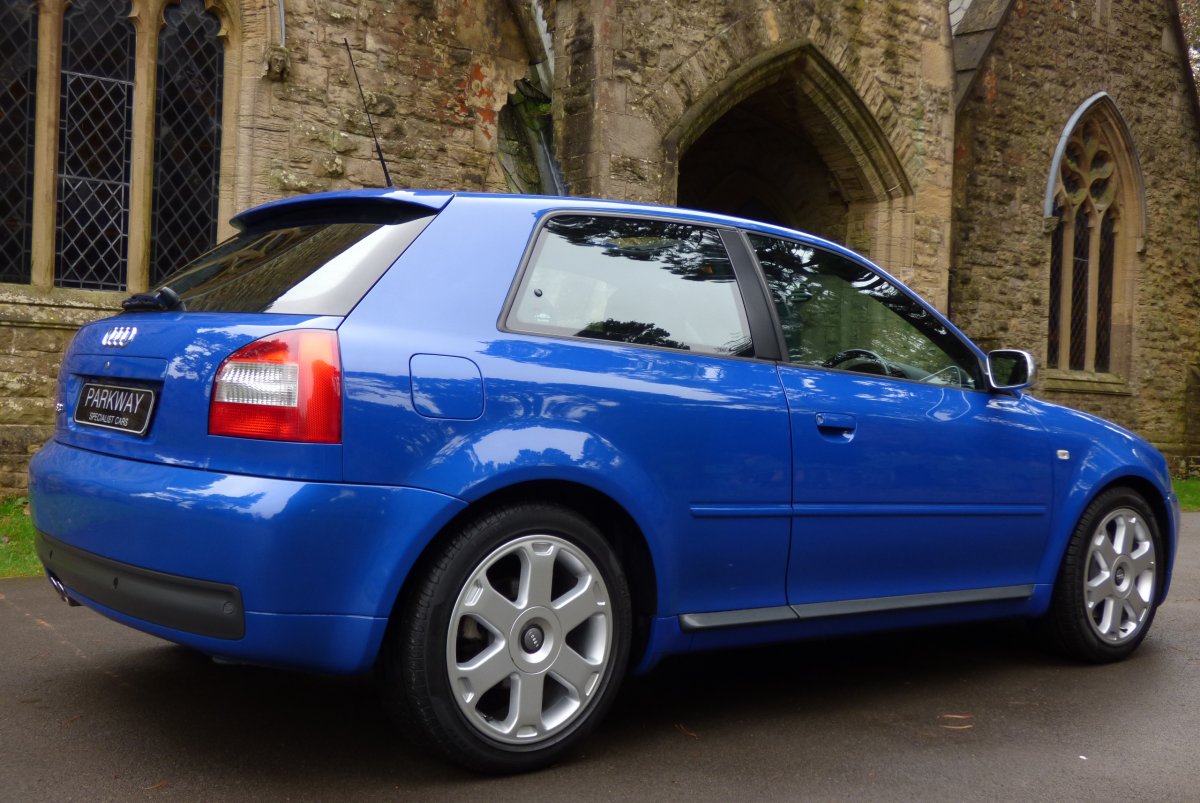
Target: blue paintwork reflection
(446, 387)
(940, 489)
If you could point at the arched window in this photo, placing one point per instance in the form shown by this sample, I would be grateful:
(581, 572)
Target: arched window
(1095, 196)
(114, 111)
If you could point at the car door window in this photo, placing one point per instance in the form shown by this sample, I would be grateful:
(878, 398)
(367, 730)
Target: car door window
(837, 313)
(631, 280)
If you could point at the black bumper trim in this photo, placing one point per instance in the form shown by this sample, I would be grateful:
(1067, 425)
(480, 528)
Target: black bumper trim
(180, 603)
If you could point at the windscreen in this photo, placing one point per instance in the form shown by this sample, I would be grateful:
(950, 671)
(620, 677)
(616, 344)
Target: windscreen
(317, 269)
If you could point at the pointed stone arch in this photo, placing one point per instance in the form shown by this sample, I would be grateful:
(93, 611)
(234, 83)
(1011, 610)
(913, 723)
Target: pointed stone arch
(1104, 109)
(830, 116)
(1095, 212)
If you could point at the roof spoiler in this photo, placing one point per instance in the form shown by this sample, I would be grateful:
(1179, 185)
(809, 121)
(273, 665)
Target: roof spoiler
(353, 206)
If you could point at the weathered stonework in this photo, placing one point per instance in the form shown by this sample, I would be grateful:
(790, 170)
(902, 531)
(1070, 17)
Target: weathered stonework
(641, 83)
(33, 336)
(1045, 61)
(840, 116)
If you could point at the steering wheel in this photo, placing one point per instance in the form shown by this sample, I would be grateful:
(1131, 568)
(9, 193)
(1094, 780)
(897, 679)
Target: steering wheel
(863, 355)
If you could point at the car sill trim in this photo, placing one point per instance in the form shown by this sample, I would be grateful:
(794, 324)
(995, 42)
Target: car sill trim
(690, 622)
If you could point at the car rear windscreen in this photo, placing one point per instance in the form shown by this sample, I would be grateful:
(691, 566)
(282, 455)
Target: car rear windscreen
(318, 269)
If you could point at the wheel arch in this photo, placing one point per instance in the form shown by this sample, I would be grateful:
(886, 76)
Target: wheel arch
(612, 519)
(1159, 508)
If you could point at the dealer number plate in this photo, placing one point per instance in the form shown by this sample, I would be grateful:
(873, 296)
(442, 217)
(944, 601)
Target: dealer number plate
(115, 407)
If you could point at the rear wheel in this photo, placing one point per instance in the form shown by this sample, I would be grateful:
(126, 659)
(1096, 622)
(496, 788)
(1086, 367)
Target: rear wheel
(513, 644)
(1107, 590)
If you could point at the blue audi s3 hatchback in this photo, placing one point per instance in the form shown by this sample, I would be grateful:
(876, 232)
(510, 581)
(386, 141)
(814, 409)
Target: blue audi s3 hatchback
(503, 450)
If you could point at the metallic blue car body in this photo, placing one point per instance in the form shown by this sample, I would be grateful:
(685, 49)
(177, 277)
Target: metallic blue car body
(755, 522)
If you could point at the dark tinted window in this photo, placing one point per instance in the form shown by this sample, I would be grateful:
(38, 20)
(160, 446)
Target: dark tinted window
(322, 269)
(650, 282)
(837, 313)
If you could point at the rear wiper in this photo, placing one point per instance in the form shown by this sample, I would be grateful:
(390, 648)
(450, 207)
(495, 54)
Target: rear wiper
(164, 299)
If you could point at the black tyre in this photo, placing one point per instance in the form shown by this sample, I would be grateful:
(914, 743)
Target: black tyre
(512, 644)
(1109, 583)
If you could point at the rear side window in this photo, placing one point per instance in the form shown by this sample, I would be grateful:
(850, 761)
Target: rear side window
(320, 269)
(629, 280)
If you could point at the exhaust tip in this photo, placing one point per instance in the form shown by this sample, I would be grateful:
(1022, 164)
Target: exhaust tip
(62, 591)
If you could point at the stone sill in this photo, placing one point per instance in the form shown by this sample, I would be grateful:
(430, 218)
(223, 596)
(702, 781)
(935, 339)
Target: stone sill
(1082, 382)
(56, 307)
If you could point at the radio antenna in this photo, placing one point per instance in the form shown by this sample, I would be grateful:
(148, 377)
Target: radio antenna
(386, 176)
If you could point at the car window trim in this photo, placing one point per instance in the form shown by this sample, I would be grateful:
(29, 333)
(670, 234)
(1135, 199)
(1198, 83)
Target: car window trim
(765, 330)
(785, 358)
(532, 248)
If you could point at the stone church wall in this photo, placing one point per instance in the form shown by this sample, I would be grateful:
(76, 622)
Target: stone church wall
(640, 81)
(635, 84)
(435, 73)
(1046, 61)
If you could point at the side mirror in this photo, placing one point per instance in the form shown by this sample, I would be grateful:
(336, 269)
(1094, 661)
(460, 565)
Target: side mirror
(1011, 369)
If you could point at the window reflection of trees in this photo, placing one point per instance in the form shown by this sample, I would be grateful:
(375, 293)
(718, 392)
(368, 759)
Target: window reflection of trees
(694, 254)
(639, 309)
(828, 304)
(251, 271)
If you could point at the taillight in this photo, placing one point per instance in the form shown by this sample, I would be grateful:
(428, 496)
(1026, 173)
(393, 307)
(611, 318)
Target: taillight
(286, 387)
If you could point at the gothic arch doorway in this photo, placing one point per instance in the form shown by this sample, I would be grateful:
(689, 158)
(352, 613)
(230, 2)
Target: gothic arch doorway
(757, 161)
(791, 142)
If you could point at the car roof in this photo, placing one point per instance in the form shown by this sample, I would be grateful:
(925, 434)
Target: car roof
(334, 204)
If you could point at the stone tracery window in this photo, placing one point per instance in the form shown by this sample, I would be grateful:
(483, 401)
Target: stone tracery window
(121, 105)
(1091, 251)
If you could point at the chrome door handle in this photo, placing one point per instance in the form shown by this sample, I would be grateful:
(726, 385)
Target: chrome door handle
(836, 424)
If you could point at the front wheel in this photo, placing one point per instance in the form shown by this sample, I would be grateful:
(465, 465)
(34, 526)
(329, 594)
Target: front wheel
(513, 643)
(1107, 589)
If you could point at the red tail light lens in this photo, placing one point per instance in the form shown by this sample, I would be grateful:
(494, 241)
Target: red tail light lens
(286, 387)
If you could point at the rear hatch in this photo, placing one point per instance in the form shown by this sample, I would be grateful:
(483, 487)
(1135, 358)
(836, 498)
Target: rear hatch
(260, 311)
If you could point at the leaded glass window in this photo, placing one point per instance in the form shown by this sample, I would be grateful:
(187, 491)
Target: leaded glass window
(1104, 290)
(18, 69)
(188, 135)
(95, 132)
(1079, 290)
(1056, 257)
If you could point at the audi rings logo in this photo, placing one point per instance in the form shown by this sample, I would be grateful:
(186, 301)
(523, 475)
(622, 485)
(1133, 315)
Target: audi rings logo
(120, 337)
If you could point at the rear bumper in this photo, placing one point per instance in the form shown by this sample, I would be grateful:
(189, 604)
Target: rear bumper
(280, 572)
(177, 603)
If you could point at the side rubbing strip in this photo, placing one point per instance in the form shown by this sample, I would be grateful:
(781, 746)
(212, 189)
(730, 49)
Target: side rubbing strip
(743, 618)
(818, 610)
(848, 607)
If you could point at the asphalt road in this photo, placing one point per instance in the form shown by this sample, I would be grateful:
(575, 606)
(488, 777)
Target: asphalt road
(90, 710)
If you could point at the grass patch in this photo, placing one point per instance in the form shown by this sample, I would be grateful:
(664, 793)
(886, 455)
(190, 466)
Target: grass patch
(17, 558)
(1188, 492)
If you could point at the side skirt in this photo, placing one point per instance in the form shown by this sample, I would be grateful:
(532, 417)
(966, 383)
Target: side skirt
(692, 622)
